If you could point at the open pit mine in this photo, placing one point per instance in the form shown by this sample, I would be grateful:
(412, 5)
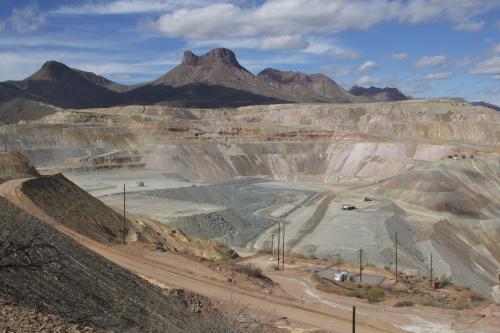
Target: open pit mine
(420, 177)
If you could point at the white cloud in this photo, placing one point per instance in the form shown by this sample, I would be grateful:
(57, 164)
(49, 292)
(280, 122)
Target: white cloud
(367, 66)
(367, 80)
(439, 76)
(288, 42)
(337, 53)
(336, 71)
(302, 17)
(328, 48)
(434, 61)
(399, 56)
(469, 26)
(230, 43)
(27, 19)
(128, 7)
(417, 88)
(497, 48)
(490, 66)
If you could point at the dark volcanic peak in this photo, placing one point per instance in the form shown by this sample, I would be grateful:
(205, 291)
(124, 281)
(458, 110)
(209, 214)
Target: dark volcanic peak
(66, 87)
(50, 70)
(379, 94)
(215, 56)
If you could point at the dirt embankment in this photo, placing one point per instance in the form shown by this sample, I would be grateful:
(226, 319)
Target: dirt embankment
(69, 205)
(43, 269)
(15, 165)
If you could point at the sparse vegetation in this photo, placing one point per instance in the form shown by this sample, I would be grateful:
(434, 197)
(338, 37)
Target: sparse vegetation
(371, 294)
(374, 294)
(445, 281)
(249, 270)
(403, 304)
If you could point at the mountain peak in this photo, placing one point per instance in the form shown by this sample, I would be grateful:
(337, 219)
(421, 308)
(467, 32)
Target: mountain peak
(55, 67)
(218, 55)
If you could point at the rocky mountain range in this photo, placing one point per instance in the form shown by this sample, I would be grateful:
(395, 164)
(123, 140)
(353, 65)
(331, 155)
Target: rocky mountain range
(379, 94)
(215, 79)
(301, 87)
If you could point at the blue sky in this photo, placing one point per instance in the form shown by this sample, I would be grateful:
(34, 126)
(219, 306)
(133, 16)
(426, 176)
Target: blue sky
(427, 48)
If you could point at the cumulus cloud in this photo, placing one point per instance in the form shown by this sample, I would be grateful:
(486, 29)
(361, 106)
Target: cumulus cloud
(399, 56)
(27, 19)
(367, 66)
(417, 88)
(327, 48)
(301, 17)
(432, 61)
(288, 42)
(490, 66)
(367, 80)
(439, 76)
(470, 26)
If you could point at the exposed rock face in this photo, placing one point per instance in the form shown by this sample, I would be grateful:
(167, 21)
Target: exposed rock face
(306, 88)
(15, 165)
(215, 56)
(218, 66)
(379, 94)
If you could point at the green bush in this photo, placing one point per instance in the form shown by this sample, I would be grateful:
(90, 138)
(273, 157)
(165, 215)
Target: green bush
(445, 281)
(374, 294)
(355, 293)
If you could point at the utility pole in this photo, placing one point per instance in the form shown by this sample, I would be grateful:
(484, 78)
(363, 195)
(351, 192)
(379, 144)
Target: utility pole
(123, 214)
(279, 234)
(272, 244)
(353, 319)
(283, 248)
(5, 139)
(360, 265)
(396, 257)
(430, 276)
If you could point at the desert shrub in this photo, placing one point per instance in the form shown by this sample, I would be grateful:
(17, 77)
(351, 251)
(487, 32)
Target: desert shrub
(425, 302)
(371, 294)
(476, 298)
(461, 305)
(249, 270)
(403, 304)
(355, 293)
(445, 281)
(374, 294)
